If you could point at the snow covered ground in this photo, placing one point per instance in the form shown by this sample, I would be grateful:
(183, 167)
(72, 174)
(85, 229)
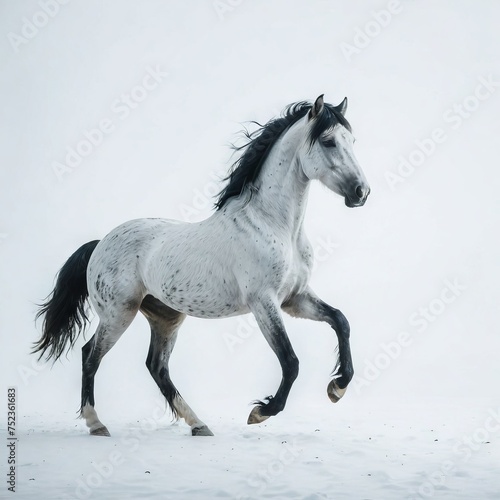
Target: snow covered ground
(318, 453)
(117, 110)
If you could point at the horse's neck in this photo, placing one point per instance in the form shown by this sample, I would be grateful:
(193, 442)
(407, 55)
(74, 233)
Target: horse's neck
(282, 187)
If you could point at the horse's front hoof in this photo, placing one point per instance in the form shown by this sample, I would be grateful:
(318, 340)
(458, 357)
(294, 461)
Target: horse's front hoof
(100, 431)
(335, 392)
(201, 431)
(256, 417)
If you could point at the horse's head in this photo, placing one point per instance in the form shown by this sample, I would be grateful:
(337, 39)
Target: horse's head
(327, 153)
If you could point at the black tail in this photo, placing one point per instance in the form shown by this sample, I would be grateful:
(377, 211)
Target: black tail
(64, 309)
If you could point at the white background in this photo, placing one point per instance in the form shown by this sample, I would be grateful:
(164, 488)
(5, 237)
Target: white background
(226, 63)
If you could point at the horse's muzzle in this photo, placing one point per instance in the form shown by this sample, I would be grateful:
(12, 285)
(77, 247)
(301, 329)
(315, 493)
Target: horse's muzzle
(358, 197)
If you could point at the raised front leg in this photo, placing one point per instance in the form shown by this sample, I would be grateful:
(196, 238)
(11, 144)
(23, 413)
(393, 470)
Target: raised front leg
(268, 316)
(307, 305)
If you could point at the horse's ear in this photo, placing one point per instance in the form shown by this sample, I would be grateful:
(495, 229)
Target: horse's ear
(317, 107)
(342, 107)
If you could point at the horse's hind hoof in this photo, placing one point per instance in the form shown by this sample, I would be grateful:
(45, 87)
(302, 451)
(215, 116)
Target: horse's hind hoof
(100, 431)
(335, 392)
(201, 431)
(256, 417)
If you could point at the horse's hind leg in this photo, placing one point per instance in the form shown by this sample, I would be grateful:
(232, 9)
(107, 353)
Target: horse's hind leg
(165, 323)
(105, 337)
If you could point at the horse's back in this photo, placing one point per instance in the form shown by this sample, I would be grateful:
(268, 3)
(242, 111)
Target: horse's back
(131, 240)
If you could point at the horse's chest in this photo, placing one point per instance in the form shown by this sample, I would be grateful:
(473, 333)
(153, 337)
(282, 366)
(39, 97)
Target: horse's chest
(290, 272)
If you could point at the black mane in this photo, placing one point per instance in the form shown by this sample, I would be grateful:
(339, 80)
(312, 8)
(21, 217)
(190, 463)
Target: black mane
(246, 169)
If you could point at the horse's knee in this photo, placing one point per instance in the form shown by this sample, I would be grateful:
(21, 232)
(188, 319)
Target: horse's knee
(292, 370)
(340, 323)
(87, 349)
(153, 367)
(90, 359)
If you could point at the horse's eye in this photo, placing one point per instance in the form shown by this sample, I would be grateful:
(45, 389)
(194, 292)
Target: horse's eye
(329, 143)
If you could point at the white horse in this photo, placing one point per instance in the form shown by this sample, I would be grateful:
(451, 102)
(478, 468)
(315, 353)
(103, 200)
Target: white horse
(251, 255)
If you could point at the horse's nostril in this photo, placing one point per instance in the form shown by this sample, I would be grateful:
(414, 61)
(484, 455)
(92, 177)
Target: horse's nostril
(359, 192)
